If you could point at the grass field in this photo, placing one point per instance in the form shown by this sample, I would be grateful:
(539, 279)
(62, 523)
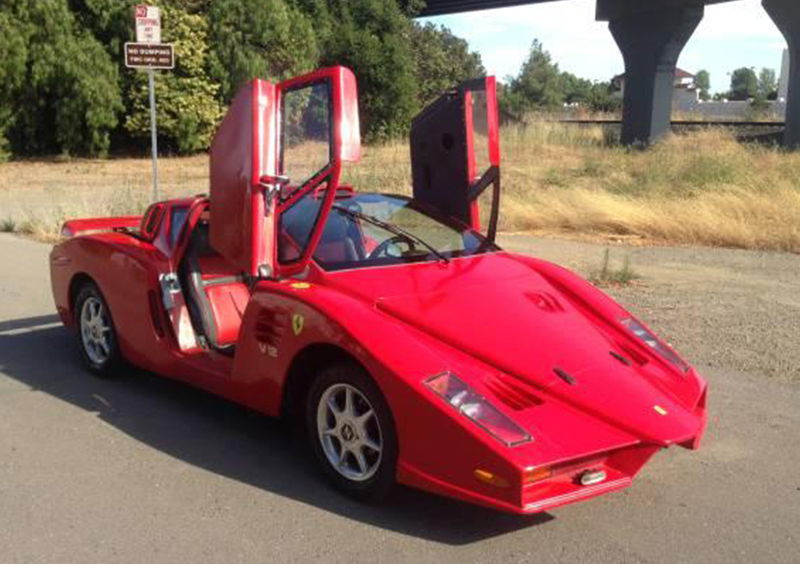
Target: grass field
(701, 188)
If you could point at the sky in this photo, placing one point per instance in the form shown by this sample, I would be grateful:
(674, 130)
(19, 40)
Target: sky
(732, 35)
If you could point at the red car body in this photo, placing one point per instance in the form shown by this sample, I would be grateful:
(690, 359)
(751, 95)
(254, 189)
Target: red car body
(594, 391)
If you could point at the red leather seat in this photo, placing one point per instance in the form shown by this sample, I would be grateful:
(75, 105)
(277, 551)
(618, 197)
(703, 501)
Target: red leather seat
(217, 291)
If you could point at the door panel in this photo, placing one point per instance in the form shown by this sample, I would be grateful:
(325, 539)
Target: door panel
(276, 145)
(318, 131)
(242, 154)
(455, 154)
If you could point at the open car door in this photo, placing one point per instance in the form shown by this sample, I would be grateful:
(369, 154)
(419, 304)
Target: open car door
(280, 146)
(455, 154)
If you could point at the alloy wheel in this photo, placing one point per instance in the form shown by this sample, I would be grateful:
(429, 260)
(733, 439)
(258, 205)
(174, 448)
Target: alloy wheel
(95, 331)
(349, 432)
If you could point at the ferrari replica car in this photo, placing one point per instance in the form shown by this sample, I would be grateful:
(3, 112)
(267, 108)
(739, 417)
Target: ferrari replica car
(393, 330)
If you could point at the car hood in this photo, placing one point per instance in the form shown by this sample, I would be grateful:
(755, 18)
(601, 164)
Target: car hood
(500, 310)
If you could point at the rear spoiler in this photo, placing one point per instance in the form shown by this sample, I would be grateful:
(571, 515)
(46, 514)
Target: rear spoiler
(76, 227)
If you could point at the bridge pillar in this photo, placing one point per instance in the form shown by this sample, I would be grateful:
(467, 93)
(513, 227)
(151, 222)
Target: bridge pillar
(786, 15)
(651, 36)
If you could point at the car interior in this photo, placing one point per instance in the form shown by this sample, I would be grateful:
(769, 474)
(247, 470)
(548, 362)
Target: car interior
(216, 292)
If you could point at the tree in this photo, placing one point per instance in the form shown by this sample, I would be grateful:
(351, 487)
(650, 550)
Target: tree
(268, 39)
(601, 98)
(64, 86)
(371, 37)
(767, 84)
(744, 84)
(68, 99)
(13, 59)
(575, 90)
(703, 82)
(539, 84)
(441, 60)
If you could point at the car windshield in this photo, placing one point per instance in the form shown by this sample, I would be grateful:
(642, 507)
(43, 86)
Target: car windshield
(376, 230)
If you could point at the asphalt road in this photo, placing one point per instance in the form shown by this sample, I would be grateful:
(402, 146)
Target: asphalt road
(140, 469)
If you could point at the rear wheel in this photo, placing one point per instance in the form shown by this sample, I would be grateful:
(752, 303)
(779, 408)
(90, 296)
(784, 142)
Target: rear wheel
(351, 431)
(97, 339)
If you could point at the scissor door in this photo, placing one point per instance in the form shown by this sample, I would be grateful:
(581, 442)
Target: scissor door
(455, 154)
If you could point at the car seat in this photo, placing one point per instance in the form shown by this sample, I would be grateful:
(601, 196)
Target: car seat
(216, 291)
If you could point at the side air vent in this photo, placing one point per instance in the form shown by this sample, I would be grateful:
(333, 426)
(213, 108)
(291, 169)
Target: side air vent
(155, 314)
(515, 395)
(269, 326)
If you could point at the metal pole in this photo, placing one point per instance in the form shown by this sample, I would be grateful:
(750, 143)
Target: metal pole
(153, 137)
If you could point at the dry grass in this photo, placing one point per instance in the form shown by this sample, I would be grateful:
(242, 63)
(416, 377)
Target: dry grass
(37, 196)
(701, 188)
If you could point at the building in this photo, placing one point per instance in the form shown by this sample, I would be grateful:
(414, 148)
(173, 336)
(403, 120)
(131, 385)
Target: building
(685, 93)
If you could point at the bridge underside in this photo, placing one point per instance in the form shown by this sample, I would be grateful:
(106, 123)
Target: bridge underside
(651, 36)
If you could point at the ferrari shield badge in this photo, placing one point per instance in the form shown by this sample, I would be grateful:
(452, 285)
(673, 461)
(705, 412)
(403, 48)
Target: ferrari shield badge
(297, 323)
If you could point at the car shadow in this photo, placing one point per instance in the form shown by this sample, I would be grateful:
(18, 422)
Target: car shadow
(221, 437)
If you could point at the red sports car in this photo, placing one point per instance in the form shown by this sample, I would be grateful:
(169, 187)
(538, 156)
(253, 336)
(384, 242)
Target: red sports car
(393, 330)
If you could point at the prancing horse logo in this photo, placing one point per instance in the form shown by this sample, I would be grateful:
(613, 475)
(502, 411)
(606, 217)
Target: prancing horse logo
(297, 323)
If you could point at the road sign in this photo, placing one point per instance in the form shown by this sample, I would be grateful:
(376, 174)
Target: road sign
(149, 53)
(149, 56)
(148, 24)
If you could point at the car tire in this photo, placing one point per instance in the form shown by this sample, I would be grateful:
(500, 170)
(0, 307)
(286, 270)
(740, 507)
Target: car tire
(337, 431)
(96, 335)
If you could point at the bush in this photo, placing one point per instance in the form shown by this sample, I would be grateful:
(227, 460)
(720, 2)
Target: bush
(68, 97)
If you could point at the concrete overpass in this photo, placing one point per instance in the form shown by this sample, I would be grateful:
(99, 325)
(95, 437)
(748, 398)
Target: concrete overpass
(651, 35)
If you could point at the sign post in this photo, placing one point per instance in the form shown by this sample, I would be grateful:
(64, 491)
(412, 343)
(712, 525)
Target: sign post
(149, 53)
(153, 136)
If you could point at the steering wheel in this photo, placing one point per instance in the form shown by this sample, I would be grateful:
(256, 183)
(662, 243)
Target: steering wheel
(383, 248)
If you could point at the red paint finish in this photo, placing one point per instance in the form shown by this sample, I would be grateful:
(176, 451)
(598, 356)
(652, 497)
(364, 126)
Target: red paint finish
(75, 227)
(544, 347)
(243, 150)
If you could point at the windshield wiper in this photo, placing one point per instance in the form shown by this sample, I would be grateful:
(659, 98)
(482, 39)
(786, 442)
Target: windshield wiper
(393, 229)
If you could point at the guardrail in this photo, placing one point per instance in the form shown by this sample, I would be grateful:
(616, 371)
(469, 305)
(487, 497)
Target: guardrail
(682, 123)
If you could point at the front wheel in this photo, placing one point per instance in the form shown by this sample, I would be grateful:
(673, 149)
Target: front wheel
(97, 339)
(351, 431)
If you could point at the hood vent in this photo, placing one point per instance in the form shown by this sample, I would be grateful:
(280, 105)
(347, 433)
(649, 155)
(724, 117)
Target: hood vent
(633, 355)
(564, 375)
(545, 301)
(512, 393)
(620, 358)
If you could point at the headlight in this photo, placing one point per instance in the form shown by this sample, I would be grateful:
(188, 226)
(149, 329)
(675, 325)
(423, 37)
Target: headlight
(654, 343)
(478, 409)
